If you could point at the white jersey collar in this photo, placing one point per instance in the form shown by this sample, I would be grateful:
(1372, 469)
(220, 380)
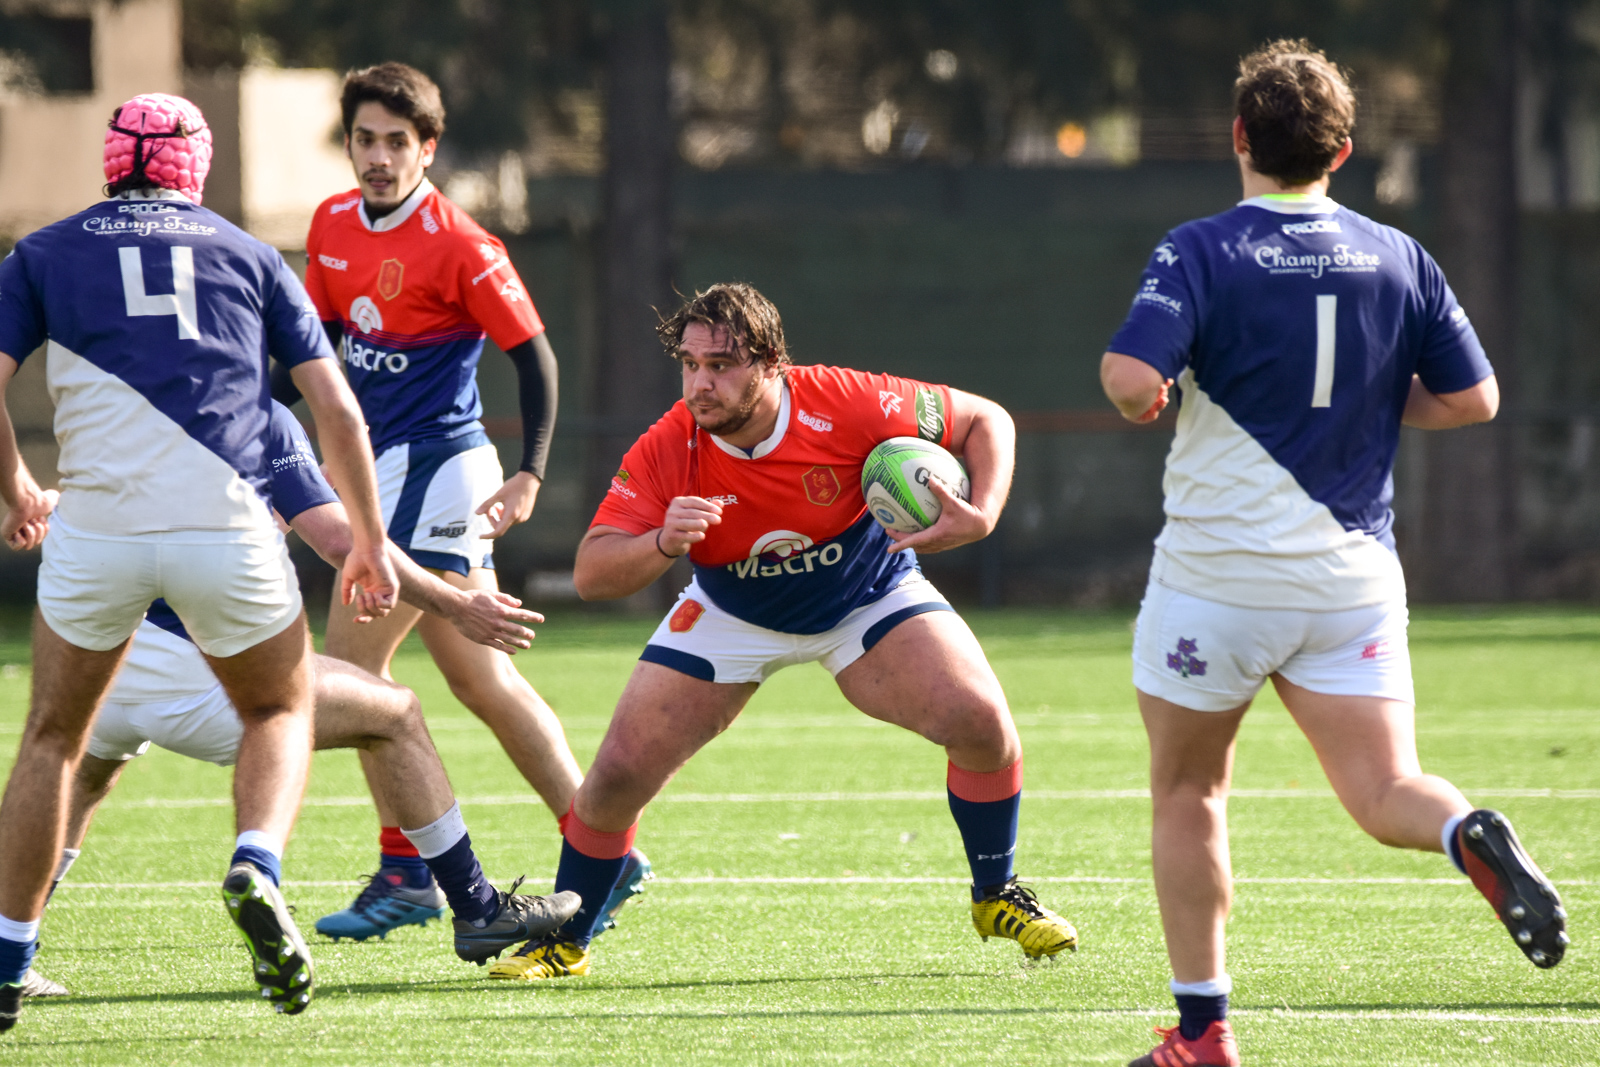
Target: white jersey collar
(152, 194)
(1293, 204)
(399, 214)
(772, 441)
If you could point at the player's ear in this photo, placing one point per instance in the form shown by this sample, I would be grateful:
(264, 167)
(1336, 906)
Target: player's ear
(429, 147)
(1344, 154)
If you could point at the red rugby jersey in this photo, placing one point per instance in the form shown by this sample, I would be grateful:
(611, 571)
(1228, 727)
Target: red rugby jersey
(416, 292)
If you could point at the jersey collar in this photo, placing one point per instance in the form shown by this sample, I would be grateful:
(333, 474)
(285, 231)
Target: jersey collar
(399, 214)
(153, 194)
(1293, 204)
(765, 447)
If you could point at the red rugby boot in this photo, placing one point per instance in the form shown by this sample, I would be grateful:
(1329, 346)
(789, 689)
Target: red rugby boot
(1215, 1048)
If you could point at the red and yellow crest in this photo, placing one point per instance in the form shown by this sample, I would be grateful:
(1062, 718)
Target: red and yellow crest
(391, 275)
(686, 616)
(822, 485)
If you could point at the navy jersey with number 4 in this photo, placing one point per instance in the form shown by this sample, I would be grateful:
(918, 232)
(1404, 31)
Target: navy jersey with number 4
(1293, 327)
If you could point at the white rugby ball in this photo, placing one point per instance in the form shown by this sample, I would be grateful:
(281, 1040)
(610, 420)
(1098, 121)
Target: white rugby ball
(895, 483)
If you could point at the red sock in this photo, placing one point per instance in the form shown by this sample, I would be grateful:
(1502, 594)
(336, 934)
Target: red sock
(391, 842)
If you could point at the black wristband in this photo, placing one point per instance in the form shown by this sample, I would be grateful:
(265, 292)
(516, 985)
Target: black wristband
(661, 550)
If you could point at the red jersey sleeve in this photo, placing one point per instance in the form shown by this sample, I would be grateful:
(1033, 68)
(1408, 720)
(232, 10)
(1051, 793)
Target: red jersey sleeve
(882, 406)
(491, 293)
(314, 286)
(655, 470)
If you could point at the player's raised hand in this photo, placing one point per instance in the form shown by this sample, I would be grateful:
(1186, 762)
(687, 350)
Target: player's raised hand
(368, 580)
(513, 503)
(959, 524)
(493, 618)
(24, 527)
(688, 518)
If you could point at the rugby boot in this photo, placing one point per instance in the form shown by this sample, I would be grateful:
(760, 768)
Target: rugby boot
(548, 957)
(280, 961)
(35, 984)
(1514, 885)
(1011, 910)
(385, 904)
(1214, 1048)
(10, 1005)
(521, 918)
(630, 883)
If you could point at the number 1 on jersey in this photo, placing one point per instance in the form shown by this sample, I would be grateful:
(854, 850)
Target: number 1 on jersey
(180, 302)
(1327, 327)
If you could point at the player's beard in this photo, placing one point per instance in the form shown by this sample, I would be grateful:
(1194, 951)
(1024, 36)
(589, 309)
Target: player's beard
(734, 419)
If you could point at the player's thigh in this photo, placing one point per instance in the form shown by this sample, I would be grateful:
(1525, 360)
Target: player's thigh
(369, 645)
(928, 674)
(1205, 655)
(355, 707)
(1189, 750)
(92, 592)
(1364, 743)
(472, 670)
(270, 677)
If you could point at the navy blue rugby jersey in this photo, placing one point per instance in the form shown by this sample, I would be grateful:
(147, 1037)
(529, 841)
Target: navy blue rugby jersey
(1293, 327)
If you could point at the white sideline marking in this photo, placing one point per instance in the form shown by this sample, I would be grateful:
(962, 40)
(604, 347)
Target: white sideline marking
(1383, 1015)
(869, 798)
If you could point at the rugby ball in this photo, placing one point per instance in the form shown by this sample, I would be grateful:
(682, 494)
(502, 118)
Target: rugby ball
(895, 483)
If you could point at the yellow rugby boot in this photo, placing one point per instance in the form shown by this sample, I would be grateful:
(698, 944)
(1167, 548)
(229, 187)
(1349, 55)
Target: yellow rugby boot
(546, 957)
(1011, 910)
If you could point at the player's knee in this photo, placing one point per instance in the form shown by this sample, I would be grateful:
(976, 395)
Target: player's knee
(977, 723)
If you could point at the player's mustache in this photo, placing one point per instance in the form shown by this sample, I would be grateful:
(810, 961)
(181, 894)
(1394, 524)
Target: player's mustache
(376, 173)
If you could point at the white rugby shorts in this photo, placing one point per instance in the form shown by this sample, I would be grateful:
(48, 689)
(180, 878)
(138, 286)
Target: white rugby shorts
(430, 490)
(701, 640)
(233, 589)
(202, 726)
(1208, 656)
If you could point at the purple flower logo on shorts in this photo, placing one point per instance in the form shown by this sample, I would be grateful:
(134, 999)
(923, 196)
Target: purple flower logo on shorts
(1183, 661)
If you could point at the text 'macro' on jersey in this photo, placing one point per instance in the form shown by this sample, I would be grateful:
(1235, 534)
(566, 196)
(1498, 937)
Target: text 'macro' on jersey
(1293, 327)
(159, 317)
(416, 292)
(796, 550)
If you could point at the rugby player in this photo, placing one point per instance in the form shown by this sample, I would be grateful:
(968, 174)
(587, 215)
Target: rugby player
(166, 694)
(1302, 336)
(755, 475)
(411, 285)
(159, 317)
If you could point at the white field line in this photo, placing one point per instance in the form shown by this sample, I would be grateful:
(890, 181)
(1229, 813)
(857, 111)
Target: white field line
(866, 798)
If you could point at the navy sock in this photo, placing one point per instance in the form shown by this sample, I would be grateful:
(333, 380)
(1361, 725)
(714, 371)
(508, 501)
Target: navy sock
(264, 861)
(989, 833)
(471, 896)
(414, 869)
(1197, 1013)
(15, 959)
(593, 880)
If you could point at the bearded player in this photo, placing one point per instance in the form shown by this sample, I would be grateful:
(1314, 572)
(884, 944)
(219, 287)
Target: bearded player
(756, 476)
(411, 285)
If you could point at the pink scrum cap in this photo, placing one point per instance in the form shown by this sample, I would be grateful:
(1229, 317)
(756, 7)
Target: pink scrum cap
(160, 137)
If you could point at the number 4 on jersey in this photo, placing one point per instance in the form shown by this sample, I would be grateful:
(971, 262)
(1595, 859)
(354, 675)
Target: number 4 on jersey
(180, 302)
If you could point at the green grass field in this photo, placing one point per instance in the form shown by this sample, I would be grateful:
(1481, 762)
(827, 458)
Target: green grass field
(811, 901)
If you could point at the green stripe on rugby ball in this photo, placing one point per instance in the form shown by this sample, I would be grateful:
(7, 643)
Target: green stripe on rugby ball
(894, 482)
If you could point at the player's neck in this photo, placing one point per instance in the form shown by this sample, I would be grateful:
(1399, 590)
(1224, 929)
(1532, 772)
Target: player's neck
(378, 211)
(1260, 185)
(763, 421)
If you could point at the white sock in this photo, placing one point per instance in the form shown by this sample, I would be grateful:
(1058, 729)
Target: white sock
(260, 839)
(1447, 835)
(1215, 987)
(439, 836)
(69, 856)
(24, 933)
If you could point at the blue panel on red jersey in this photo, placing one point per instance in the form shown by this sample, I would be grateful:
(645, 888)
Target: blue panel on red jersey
(414, 392)
(1306, 327)
(809, 590)
(297, 481)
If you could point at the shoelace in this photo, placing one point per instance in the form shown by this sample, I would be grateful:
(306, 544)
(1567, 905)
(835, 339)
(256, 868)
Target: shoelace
(376, 889)
(548, 941)
(1023, 897)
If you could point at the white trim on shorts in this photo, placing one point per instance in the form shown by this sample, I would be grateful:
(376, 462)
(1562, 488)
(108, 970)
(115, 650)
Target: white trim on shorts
(1208, 656)
(202, 726)
(701, 640)
(429, 492)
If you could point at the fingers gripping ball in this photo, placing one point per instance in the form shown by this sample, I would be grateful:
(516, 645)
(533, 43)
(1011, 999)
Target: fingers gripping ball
(160, 137)
(895, 482)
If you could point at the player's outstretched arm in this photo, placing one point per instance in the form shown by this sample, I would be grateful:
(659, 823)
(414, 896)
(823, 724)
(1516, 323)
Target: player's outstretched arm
(613, 563)
(367, 576)
(27, 517)
(537, 377)
(1445, 411)
(1134, 386)
(983, 435)
(488, 617)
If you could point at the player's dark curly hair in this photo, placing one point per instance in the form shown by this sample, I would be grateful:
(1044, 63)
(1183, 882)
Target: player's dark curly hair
(749, 317)
(1298, 110)
(404, 90)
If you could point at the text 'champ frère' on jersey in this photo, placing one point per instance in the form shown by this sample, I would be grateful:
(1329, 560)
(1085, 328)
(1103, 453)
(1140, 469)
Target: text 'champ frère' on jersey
(796, 550)
(1292, 326)
(159, 317)
(416, 291)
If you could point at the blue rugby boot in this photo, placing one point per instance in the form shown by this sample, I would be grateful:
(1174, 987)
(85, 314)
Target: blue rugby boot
(630, 883)
(386, 903)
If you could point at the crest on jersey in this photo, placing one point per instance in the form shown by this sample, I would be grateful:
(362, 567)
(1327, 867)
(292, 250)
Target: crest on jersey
(365, 314)
(889, 402)
(391, 276)
(781, 543)
(822, 485)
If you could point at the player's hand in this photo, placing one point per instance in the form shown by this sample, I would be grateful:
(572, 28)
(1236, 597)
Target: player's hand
(492, 618)
(368, 581)
(688, 519)
(959, 524)
(512, 504)
(25, 526)
(1154, 411)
